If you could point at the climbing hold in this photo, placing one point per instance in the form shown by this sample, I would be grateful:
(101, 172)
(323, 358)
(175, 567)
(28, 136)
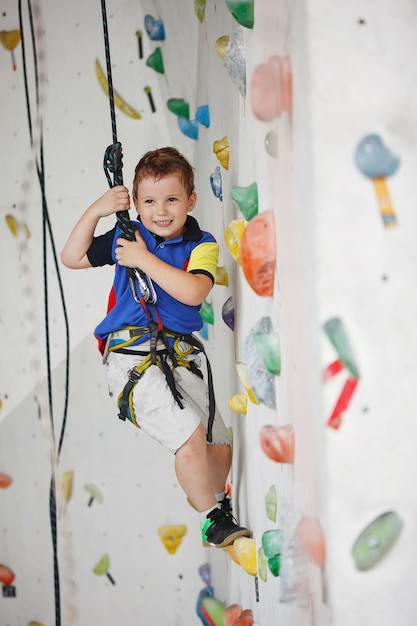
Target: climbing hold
(202, 115)
(103, 567)
(233, 236)
(242, 11)
(278, 443)
(311, 536)
(6, 575)
(5, 481)
(271, 503)
(242, 371)
(271, 144)
(262, 565)
(271, 88)
(245, 618)
(231, 613)
(200, 8)
(201, 612)
(230, 551)
(377, 162)
(118, 100)
(172, 536)
(67, 482)
(269, 349)
(18, 229)
(95, 494)
(274, 565)
(260, 379)
(246, 200)
(232, 51)
(214, 610)
(154, 28)
(259, 253)
(216, 182)
(337, 335)
(155, 61)
(10, 39)
(228, 313)
(203, 332)
(272, 542)
(205, 573)
(179, 106)
(222, 277)
(221, 150)
(238, 403)
(188, 127)
(376, 540)
(207, 312)
(36, 624)
(245, 551)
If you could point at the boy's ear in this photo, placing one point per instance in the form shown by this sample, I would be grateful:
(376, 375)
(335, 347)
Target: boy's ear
(135, 202)
(192, 201)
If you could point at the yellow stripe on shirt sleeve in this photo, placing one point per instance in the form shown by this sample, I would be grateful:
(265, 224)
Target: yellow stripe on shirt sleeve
(204, 257)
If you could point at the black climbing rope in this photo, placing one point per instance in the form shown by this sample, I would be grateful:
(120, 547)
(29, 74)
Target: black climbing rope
(113, 164)
(47, 234)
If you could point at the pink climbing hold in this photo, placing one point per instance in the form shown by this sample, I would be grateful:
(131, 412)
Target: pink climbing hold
(278, 443)
(311, 535)
(271, 88)
(258, 253)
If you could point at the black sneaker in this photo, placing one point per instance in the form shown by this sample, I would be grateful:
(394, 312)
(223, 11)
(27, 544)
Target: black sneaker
(220, 529)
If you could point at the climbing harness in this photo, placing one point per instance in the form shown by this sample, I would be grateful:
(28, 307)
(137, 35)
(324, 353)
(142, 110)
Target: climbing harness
(113, 164)
(169, 358)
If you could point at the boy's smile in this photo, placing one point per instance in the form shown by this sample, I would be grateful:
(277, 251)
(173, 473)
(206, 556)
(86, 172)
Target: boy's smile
(163, 205)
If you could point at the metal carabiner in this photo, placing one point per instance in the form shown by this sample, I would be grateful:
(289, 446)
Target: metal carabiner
(146, 287)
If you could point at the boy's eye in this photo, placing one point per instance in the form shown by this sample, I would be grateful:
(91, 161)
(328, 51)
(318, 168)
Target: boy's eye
(149, 201)
(172, 199)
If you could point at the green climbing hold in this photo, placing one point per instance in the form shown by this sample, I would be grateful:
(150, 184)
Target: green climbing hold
(336, 332)
(271, 503)
(242, 11)
(271, 144)
(274, 565)
(272, 542)
(268, 347)
(246, 200)
(207, 312)
(155, 61)
(262, 565)
(376, 539)
(200, 8)
(179, 107)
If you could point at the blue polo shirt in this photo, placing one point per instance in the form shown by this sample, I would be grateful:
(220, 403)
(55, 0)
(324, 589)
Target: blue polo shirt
(195, 251)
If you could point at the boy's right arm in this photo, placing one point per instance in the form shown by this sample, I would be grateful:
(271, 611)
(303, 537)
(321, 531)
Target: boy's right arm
(74, 254)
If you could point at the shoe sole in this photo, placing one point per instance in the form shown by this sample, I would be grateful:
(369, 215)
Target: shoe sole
(229, 539)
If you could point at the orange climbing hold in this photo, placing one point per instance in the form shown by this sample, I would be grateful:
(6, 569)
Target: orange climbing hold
(245, 619)
(278, 443)
(311, 535)
(258, 253)
(231, 614)
(5, 481)
(6, 575)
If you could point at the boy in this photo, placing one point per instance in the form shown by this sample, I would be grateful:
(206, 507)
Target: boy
(153, 372)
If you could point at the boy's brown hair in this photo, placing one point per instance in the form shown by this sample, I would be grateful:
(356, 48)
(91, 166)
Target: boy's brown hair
(159, 163)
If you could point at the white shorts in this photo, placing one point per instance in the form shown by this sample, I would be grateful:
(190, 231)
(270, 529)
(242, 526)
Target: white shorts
(156, 410)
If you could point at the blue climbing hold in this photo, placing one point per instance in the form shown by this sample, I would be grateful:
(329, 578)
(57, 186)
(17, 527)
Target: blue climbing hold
(154, 28)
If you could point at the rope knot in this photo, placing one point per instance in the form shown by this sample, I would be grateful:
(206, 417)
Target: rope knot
(113, 162)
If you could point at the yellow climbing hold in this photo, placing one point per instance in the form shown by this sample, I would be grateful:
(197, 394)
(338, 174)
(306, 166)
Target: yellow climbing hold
(221, 150)
(67, 482)
(118, 101)
(10, 38)
(233, 238)
(222, 46)
(222, 277)
(245, 551)
(239, 403)
(17, 228)
(172, 536)
(244, 379)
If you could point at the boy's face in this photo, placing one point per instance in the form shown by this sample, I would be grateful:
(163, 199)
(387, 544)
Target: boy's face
(163, 205)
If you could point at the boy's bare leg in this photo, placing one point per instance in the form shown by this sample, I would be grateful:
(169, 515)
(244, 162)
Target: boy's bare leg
(219, 462)
(193, 473)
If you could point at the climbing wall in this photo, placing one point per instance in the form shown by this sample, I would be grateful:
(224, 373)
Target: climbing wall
(299, 120)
